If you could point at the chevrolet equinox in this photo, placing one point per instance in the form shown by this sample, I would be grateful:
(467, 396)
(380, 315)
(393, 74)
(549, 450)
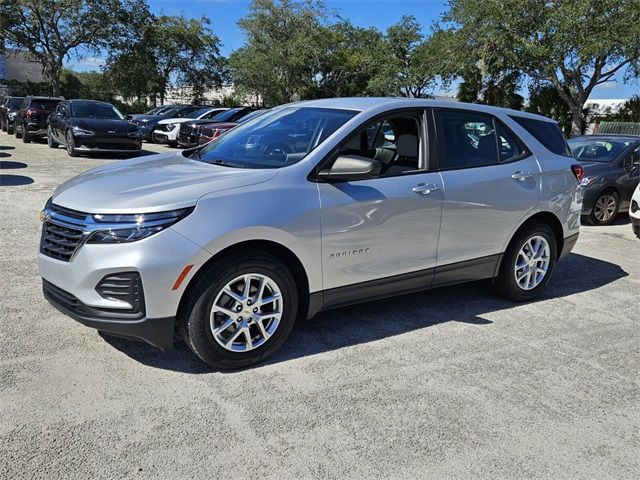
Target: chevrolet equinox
(311, 206)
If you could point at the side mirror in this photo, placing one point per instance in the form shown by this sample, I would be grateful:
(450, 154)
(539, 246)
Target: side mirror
(129, 117)
(351, 167)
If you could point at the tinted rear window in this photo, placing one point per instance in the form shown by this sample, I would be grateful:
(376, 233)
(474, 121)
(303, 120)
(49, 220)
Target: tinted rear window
(15, 102)
(547, 133)
(40, 104)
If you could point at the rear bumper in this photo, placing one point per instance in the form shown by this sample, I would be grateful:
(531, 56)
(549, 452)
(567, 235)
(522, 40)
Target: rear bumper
(35, 130)
(568, 245)
(158, 332)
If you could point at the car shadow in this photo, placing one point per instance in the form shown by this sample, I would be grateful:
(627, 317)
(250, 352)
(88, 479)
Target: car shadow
(4, 155)
(11, 165)
(369, 322)
(116, 156)
(7, 147)
(14, 180)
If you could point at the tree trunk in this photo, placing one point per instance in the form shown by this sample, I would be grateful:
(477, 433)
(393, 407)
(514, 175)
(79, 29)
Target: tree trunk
(578, 126)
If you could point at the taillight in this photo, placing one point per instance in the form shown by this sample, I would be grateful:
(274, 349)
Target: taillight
(31, 114)
(578, 171)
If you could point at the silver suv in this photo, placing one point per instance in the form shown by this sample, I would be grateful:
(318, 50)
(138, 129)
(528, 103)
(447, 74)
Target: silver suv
(311, 206)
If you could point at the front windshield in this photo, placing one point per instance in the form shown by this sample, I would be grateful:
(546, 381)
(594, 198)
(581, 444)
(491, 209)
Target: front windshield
(597, 150)
(254, 114)
(14, 103)
(187, 112)
(278, 138)
(95, 110)
(227, 115)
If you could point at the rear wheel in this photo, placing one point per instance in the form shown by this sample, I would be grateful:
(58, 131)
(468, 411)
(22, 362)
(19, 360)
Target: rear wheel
(240, 310)
(50, 141)
(528, 263)
(605, 210)
(71, 148)
(26, 138)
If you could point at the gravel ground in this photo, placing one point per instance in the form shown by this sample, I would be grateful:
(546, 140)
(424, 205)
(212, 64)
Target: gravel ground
(452, 383)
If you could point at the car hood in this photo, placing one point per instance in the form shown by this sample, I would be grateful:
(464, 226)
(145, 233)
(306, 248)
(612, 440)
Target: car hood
(152, 184)
(103, 125)
(174, 120)
(148, 117)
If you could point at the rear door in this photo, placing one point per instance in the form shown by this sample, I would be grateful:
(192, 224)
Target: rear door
(491, 182)
(631, 176)
(380, 235)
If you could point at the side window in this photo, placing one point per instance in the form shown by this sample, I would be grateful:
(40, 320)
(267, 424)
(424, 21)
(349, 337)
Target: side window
(547, 133)
(632, 159)
(510, 147)
(469, 139)
(393, 141)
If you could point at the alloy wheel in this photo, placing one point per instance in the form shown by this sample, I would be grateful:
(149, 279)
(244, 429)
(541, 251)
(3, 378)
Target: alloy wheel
(246, 312)
(532, 263)
(605, 207)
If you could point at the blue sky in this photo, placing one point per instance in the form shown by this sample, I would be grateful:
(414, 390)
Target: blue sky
(224, 15)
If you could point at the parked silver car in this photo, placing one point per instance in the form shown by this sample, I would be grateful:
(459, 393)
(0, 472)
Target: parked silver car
(313, 205)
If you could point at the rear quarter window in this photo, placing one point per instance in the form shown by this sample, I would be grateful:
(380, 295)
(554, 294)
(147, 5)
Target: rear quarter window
(547, 133)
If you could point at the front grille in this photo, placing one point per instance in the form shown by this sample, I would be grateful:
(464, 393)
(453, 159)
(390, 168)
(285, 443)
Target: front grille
(62, 233)
(59, 242)
(124, 287)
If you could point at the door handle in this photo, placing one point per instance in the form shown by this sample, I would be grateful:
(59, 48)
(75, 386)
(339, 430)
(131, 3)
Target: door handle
(423, 189)
(521, 176)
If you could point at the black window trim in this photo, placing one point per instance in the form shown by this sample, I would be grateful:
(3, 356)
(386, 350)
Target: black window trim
(567, 153)
(424, 156)
(440, 148)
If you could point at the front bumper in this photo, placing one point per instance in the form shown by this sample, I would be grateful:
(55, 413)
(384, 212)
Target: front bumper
(164, 137)
(158, 259)
(158, 332)
(108, 144)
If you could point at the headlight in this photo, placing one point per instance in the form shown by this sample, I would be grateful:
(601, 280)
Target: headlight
(81, 132)
(132, 227)
(588, 181)
(171, 126)
(11, 115)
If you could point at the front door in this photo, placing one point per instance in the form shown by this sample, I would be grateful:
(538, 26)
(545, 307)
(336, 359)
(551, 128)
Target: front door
(382, 229)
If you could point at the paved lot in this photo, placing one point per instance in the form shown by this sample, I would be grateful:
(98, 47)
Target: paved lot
(452, 383)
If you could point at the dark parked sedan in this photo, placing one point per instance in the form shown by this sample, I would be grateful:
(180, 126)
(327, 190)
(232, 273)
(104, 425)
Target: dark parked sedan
(85, 126)
(147, 123)
(8, 111)
(30, 121)
(611, 173)
(189, 133)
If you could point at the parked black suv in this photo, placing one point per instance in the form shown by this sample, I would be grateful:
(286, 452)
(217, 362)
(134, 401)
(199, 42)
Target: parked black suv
(31, 120)
(8, 109)
(86, 126)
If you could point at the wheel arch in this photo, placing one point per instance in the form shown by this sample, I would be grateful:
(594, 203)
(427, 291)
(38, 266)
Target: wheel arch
(548, 218)
(286, 255)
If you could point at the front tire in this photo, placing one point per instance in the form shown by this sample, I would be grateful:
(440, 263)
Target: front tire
(71, 149)
(10, 129)
(16, 133)
(605, 208)
(240, 310)
(528, 263)
(50, 141)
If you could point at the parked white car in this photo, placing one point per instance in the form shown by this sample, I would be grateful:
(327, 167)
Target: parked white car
(634, 211)
(167, 130)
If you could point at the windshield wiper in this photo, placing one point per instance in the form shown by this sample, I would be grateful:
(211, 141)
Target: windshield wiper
(224, 163)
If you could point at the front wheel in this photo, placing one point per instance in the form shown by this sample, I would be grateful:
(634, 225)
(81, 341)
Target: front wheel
(605, 210)
(10, 128)
(240, 310)
(528, 263)
(50, 141)
(71, 148)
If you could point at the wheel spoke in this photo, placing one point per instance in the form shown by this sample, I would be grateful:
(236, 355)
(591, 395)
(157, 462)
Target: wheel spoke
(224, 326)
(257, 291)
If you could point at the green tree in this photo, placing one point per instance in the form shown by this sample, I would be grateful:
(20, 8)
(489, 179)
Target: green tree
(167, 50)
(407, 62)
(545, 100)
(498, 90)
(574, 45)
(53, 30)
(344, 60)
(277, 59)
(629, 112)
